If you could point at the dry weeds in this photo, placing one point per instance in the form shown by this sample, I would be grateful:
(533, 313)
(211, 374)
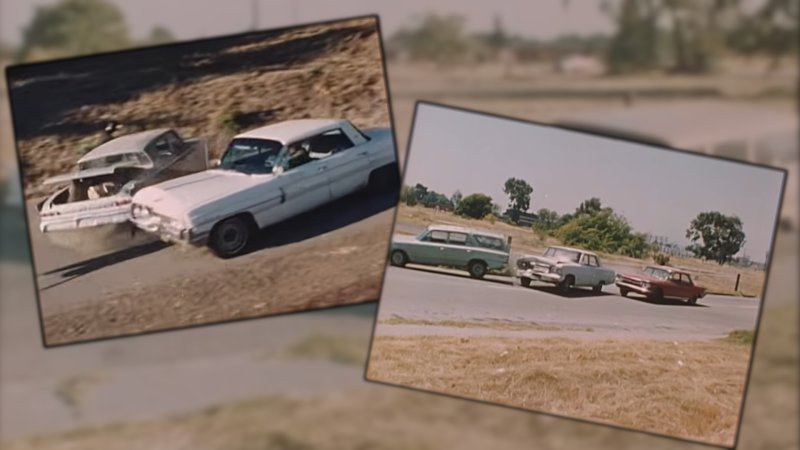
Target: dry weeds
(692, 390)
(491, 324)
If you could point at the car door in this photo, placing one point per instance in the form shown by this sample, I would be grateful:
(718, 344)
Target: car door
(457, 253)
(583, 273)
(595, 273)
(347, 165)
(305, 186)
(431, 248)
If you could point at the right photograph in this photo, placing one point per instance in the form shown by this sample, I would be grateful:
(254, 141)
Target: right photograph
(576, 274)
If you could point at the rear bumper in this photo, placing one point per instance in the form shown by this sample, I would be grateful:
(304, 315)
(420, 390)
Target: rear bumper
(71, 222)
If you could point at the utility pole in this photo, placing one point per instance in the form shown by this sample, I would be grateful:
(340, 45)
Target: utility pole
(254, 14)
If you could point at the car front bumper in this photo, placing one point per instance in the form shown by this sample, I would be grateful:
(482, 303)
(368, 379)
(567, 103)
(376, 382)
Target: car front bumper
(156, 225)
(547, 277)
(634, 287)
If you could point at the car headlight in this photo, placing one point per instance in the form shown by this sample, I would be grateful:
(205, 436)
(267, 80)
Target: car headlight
(555, 269)
(645, 285)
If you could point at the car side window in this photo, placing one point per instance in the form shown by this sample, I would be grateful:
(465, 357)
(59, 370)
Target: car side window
(438, 237)
(676, 277)
(457, 238)
(593, 261)
(584, 260)
(174, 142)
(329, 143)
(685, 279)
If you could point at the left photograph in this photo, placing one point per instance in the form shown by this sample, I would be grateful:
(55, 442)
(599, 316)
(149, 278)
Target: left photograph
(207, 181)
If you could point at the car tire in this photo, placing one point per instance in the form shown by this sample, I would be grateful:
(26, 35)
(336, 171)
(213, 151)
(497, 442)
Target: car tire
(693, 301)
(623, 292)
(398, 258)
(230, 237)
(566, 285)
(476, 269)
(525, 282)
(598, 288)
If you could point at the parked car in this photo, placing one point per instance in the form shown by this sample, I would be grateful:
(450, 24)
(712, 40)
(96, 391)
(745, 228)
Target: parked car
(97, 195)
(732, 130)
(265, 176)
(475, 251)
(660, 282)
(566, 268)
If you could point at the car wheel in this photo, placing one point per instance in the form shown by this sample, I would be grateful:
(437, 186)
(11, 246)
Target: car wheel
(399, 258)
(657, 296)
(230, 237)
(623, 292)
(598, 288)
(565, 286)
(384, 178)
(693, 301)
(477, 269)
(525, 282)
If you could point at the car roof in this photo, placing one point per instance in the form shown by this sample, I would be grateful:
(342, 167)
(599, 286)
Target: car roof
(459, 229)
(685, 125)
(134, 142)
(669, 269)
(292, 130)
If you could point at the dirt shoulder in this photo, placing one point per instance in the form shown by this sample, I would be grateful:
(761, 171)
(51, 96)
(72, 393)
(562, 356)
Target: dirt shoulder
(293, 279)
(691, 390)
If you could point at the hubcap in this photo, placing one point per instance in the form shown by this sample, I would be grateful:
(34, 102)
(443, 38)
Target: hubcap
(232, 239)
(397, 258)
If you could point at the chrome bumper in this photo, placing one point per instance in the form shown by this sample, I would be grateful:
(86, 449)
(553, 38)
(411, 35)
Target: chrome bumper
(154, 225)
(633, 287)
(547, 277)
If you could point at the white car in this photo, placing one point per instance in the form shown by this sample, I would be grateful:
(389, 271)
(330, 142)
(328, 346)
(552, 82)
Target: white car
(566, 268)
(96, 197)
(258, 182)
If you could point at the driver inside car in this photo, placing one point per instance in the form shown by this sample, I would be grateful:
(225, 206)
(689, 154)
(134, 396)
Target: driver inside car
(298, 155)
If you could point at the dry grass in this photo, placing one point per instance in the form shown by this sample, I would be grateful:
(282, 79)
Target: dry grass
(490, 324)
(716, 278)
(692, 390)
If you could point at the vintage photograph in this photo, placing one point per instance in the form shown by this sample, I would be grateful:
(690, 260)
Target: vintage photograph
(575, 274)
(206, 181)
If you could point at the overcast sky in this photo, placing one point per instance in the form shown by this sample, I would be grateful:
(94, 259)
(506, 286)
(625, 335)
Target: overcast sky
(540, 18)
(658, 191)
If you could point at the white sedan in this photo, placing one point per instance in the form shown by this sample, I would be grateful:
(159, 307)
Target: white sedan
(265, 176)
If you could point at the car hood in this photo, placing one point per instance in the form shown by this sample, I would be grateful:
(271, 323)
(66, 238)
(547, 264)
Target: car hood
(640, 277)
(180, 195)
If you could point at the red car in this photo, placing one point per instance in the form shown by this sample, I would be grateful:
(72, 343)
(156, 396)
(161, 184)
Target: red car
(660, 282)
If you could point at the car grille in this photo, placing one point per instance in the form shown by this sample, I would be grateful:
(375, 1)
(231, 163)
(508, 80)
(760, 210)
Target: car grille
(542, 267)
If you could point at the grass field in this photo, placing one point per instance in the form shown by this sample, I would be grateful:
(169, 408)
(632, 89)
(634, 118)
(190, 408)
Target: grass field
(716, 278)
(691, 390)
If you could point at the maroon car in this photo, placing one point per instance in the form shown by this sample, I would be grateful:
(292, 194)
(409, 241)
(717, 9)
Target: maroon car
(660, 282)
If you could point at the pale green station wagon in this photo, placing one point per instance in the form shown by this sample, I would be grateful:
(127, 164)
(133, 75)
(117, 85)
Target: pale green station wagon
(455, 247)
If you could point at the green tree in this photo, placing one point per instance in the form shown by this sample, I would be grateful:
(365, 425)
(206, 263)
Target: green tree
(519, 193)
(74, 27)
(475, 206)
(590, 206)
(634, 45)
(603, 231)
(420, 192)
(715, 236)
(547, 221)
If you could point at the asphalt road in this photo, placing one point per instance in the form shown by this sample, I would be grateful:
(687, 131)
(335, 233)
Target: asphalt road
(414, 293)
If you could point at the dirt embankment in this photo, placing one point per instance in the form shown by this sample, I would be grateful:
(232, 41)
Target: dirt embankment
(212, 89)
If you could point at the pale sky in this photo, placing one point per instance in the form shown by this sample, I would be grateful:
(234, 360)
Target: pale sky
(540, 18)
(658, 191)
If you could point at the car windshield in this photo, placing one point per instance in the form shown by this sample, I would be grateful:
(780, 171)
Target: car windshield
(562, 254)
(252, 156)
(131, 158)
(656, 272)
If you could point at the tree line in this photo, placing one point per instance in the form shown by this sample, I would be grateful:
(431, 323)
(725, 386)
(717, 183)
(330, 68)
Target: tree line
(683, 36)
(593, 226)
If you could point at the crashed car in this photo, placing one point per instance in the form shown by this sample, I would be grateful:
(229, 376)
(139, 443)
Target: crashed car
(265, 176)
(97, 195)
